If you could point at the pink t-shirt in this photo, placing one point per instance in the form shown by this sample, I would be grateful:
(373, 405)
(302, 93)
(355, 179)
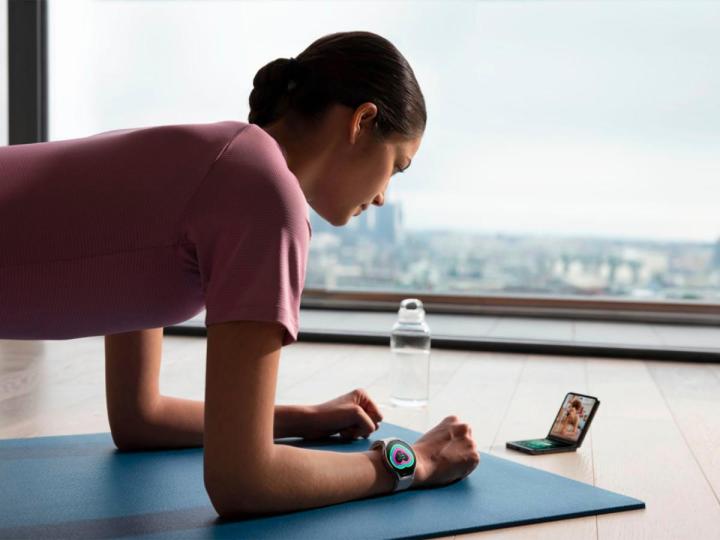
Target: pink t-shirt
(142, 228)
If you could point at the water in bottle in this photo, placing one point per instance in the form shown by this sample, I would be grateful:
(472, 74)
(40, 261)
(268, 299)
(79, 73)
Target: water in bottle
(410, 348)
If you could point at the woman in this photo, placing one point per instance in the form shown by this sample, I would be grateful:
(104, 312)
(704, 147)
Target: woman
(127, 231)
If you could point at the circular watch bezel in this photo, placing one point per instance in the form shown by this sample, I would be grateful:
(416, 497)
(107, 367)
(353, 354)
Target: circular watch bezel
(389, 448)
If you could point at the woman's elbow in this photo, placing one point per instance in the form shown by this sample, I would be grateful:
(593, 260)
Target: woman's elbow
(234, 498)
(126, 439)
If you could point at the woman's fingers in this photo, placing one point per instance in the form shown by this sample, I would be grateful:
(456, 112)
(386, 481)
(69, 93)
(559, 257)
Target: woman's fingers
(361, 425)
(364, 400)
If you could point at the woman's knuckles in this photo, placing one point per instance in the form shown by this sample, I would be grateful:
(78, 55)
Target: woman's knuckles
(462, 429)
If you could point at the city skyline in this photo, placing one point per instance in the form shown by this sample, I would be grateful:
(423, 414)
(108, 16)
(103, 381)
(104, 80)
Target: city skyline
(376, 252)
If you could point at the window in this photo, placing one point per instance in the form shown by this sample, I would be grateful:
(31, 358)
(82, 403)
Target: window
(572, 148)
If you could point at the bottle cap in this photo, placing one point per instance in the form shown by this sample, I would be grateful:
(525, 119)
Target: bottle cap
(411, 310)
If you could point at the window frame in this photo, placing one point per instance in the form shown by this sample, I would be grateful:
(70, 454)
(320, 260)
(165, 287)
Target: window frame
(27, 72)
(600, 308)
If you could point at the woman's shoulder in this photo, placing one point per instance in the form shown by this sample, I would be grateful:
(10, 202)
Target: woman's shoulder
(250, 177)
(262, 166)
(257, 149)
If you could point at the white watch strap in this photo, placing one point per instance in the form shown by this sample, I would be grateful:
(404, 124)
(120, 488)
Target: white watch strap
(405, 482)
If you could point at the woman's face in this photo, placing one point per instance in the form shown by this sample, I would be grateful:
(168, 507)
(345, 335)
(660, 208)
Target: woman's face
(357, 168)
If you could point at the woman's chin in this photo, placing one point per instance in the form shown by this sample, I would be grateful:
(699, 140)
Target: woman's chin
(339, 220)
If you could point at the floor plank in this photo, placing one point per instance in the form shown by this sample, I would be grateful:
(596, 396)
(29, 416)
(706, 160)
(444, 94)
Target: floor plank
(692, 393)
(639, 451)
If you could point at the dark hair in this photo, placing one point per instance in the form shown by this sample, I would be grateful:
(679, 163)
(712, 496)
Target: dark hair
(349, 68)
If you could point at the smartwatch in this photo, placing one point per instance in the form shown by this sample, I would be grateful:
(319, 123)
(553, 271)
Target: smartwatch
(399, 458)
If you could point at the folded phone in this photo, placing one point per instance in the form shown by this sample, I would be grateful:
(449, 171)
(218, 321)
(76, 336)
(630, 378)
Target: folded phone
(567, 431)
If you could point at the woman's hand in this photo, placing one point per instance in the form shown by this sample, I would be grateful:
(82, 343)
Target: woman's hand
(352, 415)
(445, 454)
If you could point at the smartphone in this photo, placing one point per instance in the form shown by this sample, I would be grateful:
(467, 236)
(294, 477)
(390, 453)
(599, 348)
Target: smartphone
(567, 431)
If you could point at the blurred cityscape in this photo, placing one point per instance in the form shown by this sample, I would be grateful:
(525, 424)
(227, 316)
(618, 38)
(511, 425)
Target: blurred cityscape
(375, 252)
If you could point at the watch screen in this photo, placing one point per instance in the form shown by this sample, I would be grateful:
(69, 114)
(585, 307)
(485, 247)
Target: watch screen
(401, 457)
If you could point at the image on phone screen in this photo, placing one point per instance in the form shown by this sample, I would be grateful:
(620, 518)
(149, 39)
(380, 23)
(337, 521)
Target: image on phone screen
(572, 417)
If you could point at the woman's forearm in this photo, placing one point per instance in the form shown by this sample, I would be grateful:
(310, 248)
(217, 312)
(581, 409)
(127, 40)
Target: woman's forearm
(178, 423)
(301, 478)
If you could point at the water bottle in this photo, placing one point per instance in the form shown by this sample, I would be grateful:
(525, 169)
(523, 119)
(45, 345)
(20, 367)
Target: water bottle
(410, 348)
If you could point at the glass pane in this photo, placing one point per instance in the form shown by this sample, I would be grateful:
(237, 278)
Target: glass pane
(572, 148)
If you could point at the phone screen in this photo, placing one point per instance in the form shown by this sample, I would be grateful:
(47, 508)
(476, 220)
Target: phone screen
(572, 417)
(540, 444)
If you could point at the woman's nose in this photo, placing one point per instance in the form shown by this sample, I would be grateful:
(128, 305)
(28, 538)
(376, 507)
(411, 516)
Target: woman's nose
(379, 199)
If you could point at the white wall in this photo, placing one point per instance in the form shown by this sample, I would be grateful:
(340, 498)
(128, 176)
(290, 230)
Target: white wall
(3, 73)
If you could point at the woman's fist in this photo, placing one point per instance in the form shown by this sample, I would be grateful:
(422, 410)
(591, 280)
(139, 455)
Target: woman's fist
(352, 415)
(447, 453)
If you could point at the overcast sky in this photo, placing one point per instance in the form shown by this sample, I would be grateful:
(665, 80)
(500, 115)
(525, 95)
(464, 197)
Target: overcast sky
(562, 117)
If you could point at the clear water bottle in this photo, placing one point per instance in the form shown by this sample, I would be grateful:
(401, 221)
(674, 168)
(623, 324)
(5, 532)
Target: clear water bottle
(410, 347)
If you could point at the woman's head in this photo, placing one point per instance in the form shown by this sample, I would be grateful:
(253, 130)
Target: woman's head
(348, 113)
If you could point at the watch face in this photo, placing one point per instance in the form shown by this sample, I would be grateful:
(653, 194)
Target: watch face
(401, 457)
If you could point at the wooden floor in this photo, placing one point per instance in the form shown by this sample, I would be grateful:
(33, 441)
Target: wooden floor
(656, 435)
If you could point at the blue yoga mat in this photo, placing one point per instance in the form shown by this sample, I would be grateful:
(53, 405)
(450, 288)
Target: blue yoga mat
(80, 486)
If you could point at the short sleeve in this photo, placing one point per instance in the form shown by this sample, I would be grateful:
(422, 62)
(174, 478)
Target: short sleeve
(251, 232)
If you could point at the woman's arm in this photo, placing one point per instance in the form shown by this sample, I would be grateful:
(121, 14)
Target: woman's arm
(245, 472)
(142, 419)
(132, 370)
(178, 423)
